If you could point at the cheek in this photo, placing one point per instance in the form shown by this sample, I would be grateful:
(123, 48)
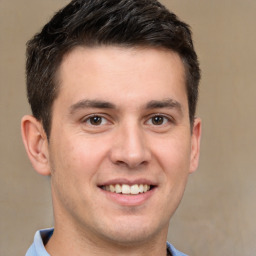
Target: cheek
(78, 157)
(74, 167)
(88, 154)
(173, 154)
(174, 158)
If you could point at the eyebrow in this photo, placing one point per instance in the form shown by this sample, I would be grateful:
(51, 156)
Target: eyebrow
(166, 103)
(91, 104)
(153, 104)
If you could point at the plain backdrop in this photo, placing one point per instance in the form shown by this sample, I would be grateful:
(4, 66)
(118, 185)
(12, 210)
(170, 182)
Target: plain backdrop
(217, 214)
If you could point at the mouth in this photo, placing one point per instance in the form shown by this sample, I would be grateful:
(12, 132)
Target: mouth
(126, 189)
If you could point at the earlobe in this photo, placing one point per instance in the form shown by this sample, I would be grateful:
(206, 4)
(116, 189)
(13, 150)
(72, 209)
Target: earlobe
(36, 144)
(195, 145)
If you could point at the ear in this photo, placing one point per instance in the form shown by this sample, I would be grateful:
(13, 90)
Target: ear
(195, 145)
(36, 144)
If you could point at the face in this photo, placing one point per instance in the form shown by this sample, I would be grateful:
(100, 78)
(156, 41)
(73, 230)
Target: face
(121, 147)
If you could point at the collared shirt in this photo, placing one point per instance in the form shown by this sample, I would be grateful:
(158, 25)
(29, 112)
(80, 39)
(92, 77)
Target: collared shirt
(42, 236)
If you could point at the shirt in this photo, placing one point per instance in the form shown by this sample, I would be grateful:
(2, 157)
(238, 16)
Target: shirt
(42, 236)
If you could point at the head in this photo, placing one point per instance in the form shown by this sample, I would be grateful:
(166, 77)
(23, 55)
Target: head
(113, 88)
(94, 23)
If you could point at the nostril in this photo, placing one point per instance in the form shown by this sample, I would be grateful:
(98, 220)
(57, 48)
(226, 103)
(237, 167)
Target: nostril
(121, 163)
(131, 165)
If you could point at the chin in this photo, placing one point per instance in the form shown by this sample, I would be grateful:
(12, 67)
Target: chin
(133, 233)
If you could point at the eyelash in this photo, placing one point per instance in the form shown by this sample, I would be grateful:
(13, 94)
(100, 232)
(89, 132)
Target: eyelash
(89, 119)
(164, 118)
(149, 120)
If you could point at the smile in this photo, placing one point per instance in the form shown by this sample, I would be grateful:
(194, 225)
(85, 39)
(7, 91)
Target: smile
(127, 189)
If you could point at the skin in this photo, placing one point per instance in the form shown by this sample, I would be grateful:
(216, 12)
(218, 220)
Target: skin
(124, 88)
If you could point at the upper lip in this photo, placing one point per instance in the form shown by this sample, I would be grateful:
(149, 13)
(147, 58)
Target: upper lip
(129, 182)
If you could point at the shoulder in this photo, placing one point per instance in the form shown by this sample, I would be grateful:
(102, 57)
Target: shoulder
(174, 251)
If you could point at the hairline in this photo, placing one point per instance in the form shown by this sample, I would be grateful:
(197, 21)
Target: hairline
(57, 80)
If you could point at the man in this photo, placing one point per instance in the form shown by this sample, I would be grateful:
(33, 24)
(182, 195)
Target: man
(113, 89)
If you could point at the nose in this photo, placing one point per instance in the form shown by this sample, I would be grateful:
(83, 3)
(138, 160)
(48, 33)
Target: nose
(130, 147)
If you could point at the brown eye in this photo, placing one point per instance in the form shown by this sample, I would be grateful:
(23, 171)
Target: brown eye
(96, 120)
(96, 123)
(157, 120)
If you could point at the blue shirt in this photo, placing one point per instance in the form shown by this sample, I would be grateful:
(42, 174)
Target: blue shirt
(41, 236)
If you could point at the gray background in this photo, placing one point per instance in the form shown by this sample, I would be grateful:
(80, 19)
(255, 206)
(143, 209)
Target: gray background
(217, 214)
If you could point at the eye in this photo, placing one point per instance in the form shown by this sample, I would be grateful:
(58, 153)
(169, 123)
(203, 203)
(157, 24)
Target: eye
(158, 120)
(95, 120)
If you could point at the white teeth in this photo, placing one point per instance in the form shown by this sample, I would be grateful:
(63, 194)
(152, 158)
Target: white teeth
(118, 189)
(141, 188)
(126, 189)
(145, 188)
(112, 188)
(135, 189)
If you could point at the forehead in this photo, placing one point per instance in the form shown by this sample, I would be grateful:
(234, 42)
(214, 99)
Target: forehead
(114, 72)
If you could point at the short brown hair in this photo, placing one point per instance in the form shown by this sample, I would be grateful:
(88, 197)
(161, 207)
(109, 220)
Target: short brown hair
(90, 23)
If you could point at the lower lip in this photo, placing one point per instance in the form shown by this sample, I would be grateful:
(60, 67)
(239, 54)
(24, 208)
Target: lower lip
(129, 200)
